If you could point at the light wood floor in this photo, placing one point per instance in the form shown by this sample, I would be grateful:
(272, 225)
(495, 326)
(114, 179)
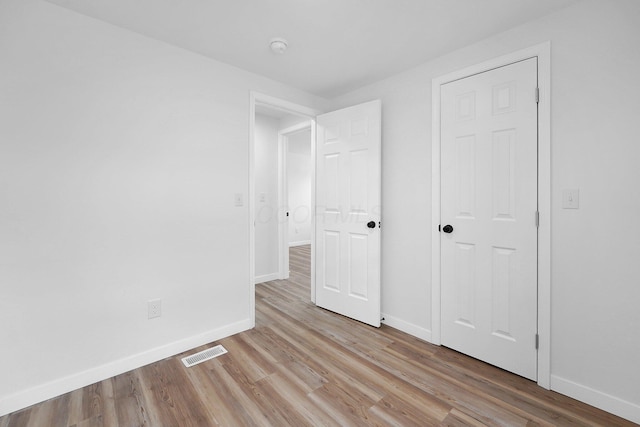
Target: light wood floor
(302, 365)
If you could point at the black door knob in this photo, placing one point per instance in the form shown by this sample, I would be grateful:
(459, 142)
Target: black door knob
(447, 228)
(371, 224)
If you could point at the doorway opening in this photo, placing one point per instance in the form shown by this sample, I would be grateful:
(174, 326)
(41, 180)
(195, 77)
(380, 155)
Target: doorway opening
(346, 201)
(295, 169)
(276, 125)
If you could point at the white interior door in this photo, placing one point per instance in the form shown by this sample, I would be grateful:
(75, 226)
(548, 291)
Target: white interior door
(489, 216)
(348, 181)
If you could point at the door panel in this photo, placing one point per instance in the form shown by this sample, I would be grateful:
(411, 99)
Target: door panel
(331, 260)
(348, 181)
(489, 196)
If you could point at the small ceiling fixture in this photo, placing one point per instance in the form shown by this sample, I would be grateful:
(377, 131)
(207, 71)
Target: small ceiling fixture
(278, 45)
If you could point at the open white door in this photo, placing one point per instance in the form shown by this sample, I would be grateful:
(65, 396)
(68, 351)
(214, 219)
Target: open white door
(348, 207)
(488, 212)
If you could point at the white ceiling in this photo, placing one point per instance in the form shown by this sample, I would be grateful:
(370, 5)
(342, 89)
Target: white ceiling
(334, 45)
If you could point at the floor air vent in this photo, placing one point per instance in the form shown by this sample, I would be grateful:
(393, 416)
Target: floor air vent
(203, 356)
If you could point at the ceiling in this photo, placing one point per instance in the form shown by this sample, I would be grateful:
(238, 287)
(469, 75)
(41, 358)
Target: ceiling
(335, 46)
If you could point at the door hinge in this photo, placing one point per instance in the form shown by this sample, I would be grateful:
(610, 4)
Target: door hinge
(537, 219)
(537, 341)
(537, 95)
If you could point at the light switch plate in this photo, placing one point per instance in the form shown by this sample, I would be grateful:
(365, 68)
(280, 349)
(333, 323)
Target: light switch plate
(571, 199)
(238, 199)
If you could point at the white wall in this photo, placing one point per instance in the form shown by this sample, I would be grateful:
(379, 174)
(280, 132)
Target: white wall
(595, 250)
(119, 160)
(266, 193)
(299, 168)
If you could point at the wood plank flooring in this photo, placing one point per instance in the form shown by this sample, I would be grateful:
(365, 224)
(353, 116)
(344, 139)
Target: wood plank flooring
(304, 366)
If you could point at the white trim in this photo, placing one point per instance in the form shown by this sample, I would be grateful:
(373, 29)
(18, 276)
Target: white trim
(313, 211)
(284, 105)
(299, 243)
(64, 385)
(543, 53)
(283, 195)
(606, 402)
(251, 206)
(296, 128)
(267, 278)
(404, 326)
(300, 110)
(283, 207)
(435, 213)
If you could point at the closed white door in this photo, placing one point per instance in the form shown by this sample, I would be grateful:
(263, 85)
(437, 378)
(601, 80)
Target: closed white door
(489, 216)
(348, 181)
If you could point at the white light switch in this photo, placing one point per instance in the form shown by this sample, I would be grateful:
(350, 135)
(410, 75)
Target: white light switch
(263, 197)
(238, 199)
(570, 199)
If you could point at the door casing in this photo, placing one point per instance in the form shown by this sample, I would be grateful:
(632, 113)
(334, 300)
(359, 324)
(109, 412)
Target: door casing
(543, 53)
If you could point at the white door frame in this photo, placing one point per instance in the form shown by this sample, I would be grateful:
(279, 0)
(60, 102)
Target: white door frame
(543, 53)
(283, 196)
(300, 110)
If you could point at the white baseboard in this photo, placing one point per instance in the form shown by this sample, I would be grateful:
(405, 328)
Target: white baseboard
(606, 402)
(266, 278)
(299, 243)
(64, 385)
(409, 328)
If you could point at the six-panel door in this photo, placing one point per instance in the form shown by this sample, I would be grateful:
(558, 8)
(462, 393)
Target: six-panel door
(348, 181)
(489, 197)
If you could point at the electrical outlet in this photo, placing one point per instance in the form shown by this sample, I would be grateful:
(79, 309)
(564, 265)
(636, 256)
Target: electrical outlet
(154, 308)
